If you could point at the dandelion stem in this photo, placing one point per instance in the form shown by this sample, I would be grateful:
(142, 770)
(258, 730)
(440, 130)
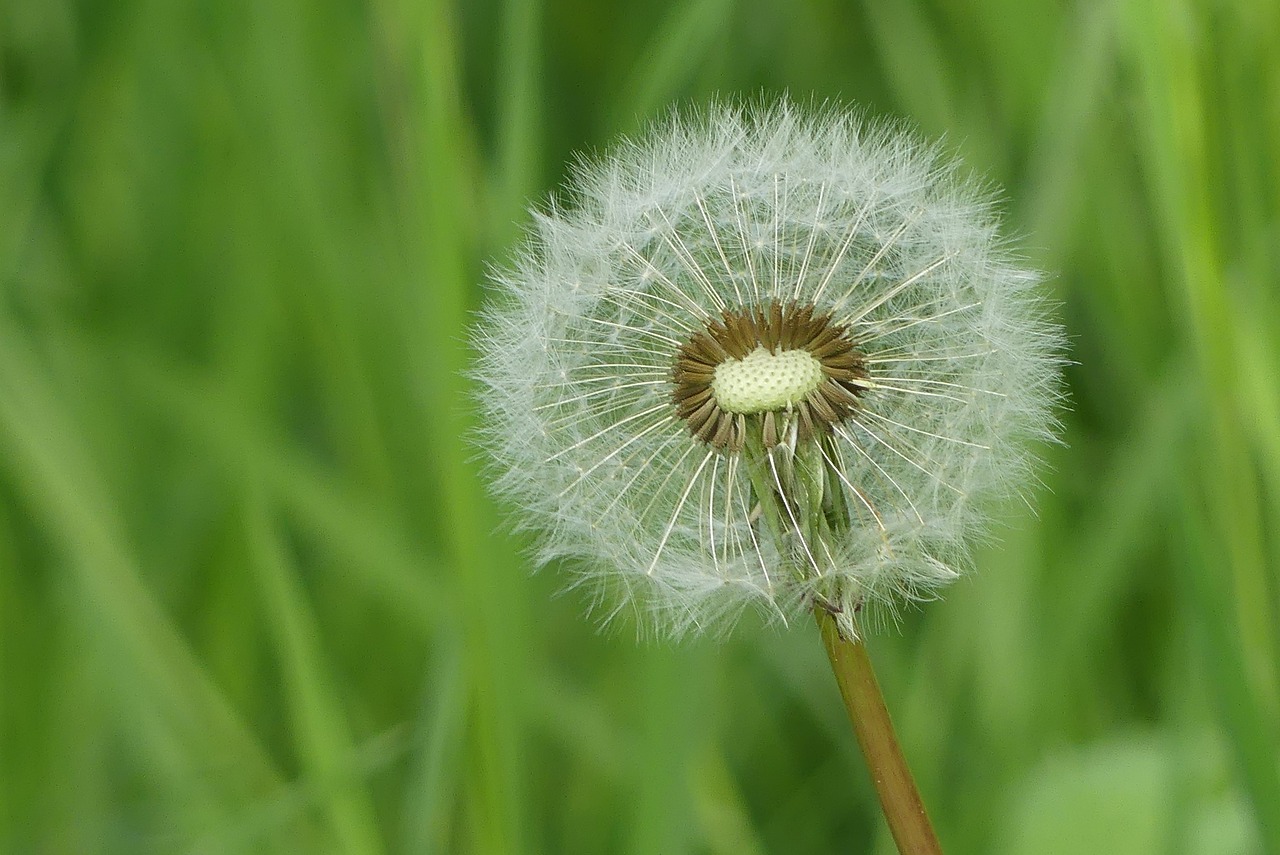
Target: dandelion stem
(899, 798)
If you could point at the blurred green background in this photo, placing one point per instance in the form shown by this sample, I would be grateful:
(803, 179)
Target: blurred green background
(251, 594)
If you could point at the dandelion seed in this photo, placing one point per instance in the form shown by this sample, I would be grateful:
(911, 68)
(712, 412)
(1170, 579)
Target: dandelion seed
(768, 358)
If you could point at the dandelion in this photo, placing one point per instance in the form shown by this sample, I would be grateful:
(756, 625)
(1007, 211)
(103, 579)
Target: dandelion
(765, 358)
(769, 359)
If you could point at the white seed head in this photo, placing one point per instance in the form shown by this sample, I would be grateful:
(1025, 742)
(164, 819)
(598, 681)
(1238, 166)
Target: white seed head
(747, 310)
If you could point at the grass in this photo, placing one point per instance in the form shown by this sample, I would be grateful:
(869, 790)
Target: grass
(253, 597)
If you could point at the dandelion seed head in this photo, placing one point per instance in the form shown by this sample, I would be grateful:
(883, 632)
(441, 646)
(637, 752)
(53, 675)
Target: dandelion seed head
(764, 358)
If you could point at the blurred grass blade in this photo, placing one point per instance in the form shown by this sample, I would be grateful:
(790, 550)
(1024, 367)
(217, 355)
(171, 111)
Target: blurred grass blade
(672, 704)
(158, 683)
(520, 115)
(915, 62)
(1067, 125)
(1250, 733)
(668, 62)
(319, 729)
(392, 569)
(491, 606)
(432, 790)
(722, 811)
(1132, 499)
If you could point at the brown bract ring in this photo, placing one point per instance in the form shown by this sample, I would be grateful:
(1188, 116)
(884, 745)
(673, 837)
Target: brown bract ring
(777, 327)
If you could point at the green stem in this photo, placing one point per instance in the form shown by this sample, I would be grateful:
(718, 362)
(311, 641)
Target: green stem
(899, 798)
